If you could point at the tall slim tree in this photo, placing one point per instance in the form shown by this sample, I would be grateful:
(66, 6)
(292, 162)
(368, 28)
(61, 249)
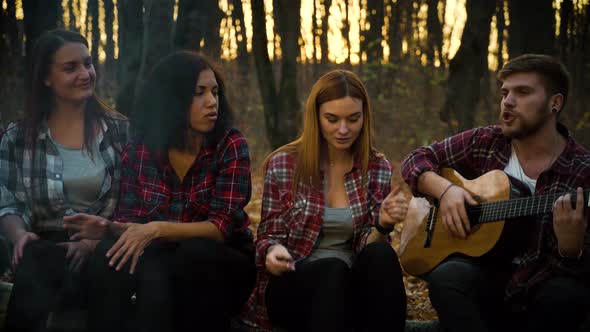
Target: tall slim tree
(40, 16)
(501, 25)
(281, 108)
(199, 21)
(242, 39)
(373, 36)
(130, 16)
(346, 31)
(109, 50)
(95, 31)
(524, 39)
(467, 68)
(324, 36)
(395, 36)
(566, 15)
(71, 13)
(434, 39)
(157, 35)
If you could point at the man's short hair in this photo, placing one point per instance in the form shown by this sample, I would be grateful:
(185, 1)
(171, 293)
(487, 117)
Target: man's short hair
(555, 77)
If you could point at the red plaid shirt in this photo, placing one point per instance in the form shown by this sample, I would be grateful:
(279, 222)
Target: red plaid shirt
(475, 152)
(296, 222)
(216, 188)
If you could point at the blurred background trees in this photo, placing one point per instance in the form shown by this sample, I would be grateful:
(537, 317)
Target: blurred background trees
(429, 65)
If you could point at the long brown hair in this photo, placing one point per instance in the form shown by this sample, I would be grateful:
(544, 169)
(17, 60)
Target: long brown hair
(39, 97)
(336, 84)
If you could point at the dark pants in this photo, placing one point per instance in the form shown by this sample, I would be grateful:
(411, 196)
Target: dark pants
(469, 297)
(193, 285)
(327, 295)
(43, 284)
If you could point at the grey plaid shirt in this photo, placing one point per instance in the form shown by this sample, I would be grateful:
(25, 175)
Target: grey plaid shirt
(36, 193)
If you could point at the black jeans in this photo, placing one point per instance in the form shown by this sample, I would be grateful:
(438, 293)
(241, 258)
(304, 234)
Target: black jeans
(469, 297)
(43, 284)
(327, 295)
(192, 285)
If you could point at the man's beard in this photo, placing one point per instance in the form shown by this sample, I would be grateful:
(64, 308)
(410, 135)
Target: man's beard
(531, 126)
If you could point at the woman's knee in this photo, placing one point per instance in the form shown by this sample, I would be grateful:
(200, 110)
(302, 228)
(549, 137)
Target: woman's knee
(332, 272)
(379, 256)
(199, 253)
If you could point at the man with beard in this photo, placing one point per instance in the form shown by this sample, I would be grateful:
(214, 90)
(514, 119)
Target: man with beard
(541, 285)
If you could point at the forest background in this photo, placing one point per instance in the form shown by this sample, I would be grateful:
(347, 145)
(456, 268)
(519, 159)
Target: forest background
(429, 65)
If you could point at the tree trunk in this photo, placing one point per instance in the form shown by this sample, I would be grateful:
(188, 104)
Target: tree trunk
(40, 16)
(566, 14)
(131, 39)
(501, 25)
(281, 110)
(289, 24)
(434, 42)
(324, 36)
(242, 39)
(395, 32)
(95, 40)
(198, 20)
(467, 68)
(72, 25)
(373, 36)
(346, 33)
(157, 33)
(531, 31)
(11, 31)
(108, 25)
(314, 35)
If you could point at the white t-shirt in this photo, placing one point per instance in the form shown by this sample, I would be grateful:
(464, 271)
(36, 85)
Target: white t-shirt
(514, 169)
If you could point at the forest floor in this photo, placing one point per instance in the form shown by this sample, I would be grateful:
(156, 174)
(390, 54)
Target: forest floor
(419, 307)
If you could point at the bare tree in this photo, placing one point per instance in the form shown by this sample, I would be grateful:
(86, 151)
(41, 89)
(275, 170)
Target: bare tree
(131, 39)
(521, 38)
(434, 27)
(467, 68)
(40, 16)
(199, 21)
(242, 39)
(157, 33)
(324, 36)
(281, 108)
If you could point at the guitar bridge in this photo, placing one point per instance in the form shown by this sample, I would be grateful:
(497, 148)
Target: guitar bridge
(430, 226)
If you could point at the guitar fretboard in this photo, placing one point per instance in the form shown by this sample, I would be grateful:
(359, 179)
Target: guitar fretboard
(519, 207)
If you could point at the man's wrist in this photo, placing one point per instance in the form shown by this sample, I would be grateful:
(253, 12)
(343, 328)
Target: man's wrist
(570, 253)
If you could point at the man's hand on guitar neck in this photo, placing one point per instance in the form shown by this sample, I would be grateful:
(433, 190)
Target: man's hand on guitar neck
(569, 225)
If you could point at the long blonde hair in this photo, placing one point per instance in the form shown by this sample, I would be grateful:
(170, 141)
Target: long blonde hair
(336, 84)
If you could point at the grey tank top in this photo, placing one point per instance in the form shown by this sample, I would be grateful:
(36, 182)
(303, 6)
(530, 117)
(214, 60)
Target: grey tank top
(335, 238)
(82, 176)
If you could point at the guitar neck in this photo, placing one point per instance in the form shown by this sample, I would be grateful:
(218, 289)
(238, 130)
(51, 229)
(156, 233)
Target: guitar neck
(519, 207)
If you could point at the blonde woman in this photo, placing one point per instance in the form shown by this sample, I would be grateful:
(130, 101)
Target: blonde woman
(322, 252)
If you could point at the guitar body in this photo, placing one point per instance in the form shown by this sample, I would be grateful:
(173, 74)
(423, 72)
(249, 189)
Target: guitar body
(417, 259)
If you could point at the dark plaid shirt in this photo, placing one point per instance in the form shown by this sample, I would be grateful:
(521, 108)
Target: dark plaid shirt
(475, 152)
(36, 192)
(216, 188)
(295, 222)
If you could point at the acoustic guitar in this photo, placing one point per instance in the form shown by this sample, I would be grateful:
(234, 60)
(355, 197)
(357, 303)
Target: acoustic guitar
(425, 243)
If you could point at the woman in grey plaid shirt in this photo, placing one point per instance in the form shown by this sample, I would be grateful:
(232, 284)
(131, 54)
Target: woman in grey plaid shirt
(61, 159)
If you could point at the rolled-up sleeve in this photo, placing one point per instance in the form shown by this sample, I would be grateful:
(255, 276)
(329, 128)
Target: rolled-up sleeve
(455, 152)
(272, 229)
(12, 189)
